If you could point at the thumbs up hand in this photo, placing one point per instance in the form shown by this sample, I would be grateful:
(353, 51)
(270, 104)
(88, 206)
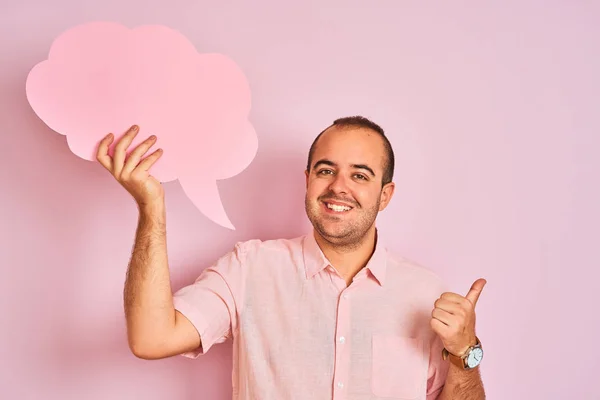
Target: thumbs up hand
(453, 318)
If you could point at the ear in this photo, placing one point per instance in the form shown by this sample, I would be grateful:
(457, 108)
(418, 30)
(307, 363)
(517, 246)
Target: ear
(307, 175)
(387, 192)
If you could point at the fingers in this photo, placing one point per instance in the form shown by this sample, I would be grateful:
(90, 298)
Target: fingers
(448, 311)
(121, 150)
(449, 306)
(102, 154)
(442, 316)
(135, 156)
(150, 160)
(121, 164)
(439, 327)
(456, 298)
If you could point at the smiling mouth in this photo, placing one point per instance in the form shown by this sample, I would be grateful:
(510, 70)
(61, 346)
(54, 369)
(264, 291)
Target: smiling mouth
(337, 208)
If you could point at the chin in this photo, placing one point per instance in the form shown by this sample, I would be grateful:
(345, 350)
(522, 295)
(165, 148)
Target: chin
(336, 232)
(341, 232)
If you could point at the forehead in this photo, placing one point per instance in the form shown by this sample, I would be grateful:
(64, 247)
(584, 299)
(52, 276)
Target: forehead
(350, 145)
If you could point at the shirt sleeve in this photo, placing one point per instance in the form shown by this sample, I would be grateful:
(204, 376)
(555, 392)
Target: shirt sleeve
(210, 303)
(438, 369)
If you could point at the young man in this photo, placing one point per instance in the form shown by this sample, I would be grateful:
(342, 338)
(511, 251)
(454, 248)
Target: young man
(328, 315)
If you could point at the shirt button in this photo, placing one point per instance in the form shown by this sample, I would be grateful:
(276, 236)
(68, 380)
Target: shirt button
(342, 339)
(340, 385)
(345, 296)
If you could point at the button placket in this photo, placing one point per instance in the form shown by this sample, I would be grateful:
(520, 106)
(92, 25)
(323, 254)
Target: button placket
(342, 350)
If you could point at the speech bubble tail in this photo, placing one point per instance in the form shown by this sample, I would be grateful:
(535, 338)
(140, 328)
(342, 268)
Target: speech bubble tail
(205, 196)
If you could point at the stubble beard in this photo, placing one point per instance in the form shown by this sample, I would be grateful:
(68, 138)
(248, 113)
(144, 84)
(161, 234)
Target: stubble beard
(351, 234)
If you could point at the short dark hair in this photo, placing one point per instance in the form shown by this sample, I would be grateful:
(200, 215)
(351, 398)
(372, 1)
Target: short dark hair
(362, 122)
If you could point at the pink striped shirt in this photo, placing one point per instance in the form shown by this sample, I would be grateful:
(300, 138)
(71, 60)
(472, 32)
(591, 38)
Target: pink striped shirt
(300, 333)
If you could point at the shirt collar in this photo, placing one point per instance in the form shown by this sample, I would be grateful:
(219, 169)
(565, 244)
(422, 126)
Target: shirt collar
(315, 261)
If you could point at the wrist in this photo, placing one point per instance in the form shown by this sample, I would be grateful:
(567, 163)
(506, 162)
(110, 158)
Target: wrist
(464, 350)
(468, 359)
(152, 209)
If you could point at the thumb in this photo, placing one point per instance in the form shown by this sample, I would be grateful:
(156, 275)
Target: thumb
(475, 291)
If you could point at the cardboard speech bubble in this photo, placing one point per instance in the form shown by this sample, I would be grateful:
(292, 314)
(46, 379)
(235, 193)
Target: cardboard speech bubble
(103, 77)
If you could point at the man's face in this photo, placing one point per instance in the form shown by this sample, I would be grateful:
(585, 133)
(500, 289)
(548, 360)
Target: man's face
(343, 187)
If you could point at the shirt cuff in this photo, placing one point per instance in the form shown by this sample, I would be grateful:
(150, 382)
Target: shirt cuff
(199, 323)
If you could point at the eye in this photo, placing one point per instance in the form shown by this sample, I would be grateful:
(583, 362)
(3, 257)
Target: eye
(361, 176)
(325, 172)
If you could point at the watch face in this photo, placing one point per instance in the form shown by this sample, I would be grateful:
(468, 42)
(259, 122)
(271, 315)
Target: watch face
(474, 357)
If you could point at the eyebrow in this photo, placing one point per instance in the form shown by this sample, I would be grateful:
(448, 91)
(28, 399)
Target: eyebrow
(356, 166)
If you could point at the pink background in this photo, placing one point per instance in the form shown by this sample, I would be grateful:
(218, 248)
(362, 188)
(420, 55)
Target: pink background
(493, 114)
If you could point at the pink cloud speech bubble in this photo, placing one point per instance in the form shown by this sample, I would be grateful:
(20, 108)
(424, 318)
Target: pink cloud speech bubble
(103, 77)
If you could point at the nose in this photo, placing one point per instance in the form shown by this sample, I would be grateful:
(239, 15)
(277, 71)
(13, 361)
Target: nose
(339, 185)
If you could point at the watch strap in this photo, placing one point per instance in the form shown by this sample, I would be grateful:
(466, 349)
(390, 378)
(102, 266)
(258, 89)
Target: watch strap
(460, 362)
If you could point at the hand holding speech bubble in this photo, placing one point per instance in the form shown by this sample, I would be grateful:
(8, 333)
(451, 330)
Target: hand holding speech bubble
(103, 77)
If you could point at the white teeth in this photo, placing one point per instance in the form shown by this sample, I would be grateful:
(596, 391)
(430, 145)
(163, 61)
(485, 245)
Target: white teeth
(337, 208)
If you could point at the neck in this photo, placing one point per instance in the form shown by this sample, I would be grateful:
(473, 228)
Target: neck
(349, 259)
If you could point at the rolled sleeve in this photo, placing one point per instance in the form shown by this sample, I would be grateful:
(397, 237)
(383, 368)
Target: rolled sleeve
(211, 302)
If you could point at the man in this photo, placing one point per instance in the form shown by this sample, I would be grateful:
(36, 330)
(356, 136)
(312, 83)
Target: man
(328, 315)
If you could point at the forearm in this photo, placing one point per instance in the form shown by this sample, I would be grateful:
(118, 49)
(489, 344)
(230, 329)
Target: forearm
(463, 385)
(148, 299)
